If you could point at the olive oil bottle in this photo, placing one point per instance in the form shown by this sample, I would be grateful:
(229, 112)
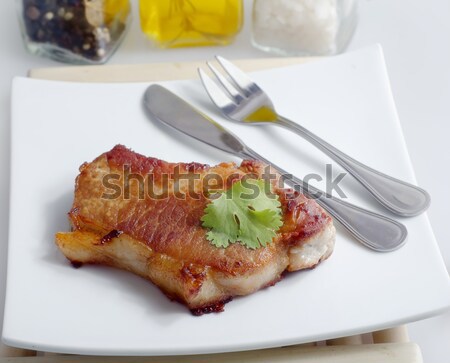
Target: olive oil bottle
(182, 23)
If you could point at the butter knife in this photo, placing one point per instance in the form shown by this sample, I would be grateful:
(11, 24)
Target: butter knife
(373, 230)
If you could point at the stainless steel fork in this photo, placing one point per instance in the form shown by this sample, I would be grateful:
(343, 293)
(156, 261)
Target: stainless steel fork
(243, 101)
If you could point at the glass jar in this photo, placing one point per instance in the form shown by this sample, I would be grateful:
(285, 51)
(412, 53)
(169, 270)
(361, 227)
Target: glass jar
(74, 31)
(180, 23)
(303, 27)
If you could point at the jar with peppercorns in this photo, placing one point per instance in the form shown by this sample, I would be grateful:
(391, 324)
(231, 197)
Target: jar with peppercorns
(74, 31)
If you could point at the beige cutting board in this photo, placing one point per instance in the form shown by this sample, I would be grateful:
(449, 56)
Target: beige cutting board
(150, 72)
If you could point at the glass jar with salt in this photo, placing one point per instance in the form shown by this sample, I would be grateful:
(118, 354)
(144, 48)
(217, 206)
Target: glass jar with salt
(303, 27)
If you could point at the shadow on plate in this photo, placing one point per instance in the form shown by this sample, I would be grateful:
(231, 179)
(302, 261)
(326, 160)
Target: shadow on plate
(120, 284)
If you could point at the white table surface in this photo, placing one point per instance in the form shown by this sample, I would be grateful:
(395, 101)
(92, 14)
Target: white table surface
(415, 36)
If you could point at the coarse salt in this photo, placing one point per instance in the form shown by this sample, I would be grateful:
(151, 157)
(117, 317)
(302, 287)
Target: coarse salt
(298, 26)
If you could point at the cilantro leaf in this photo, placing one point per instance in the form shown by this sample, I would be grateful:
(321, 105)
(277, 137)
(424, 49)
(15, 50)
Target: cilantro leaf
(245, 213)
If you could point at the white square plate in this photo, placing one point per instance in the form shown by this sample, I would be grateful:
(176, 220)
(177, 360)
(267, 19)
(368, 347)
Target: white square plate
(57, 126)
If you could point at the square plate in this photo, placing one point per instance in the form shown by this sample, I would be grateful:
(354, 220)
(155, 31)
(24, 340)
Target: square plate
(56, 126)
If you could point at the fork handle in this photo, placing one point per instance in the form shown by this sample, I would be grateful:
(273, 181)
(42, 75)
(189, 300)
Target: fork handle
(399, 197)
(373, 230)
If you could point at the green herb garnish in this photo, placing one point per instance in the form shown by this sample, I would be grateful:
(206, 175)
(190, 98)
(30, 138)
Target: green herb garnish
(245, 213)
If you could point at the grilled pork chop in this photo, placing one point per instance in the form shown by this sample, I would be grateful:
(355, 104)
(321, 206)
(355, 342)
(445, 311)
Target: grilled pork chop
(145, 227)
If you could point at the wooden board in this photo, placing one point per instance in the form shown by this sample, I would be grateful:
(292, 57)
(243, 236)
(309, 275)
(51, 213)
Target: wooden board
(152, 71)
(369, 353)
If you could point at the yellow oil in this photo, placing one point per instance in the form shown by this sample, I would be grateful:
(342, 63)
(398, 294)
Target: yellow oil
(263, 114)
(116, 10)
(180, 23)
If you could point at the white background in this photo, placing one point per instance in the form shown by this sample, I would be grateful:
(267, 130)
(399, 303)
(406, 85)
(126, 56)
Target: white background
(415, 36)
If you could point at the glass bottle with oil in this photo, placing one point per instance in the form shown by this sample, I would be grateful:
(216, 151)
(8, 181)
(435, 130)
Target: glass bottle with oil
(182, 23)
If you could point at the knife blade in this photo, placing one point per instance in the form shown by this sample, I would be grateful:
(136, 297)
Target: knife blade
(177, 113)
(373, 230)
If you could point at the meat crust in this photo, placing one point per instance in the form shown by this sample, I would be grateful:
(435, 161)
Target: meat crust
(143, 215)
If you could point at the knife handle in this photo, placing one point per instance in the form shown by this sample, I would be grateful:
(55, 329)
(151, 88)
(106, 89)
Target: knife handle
(373, 230)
